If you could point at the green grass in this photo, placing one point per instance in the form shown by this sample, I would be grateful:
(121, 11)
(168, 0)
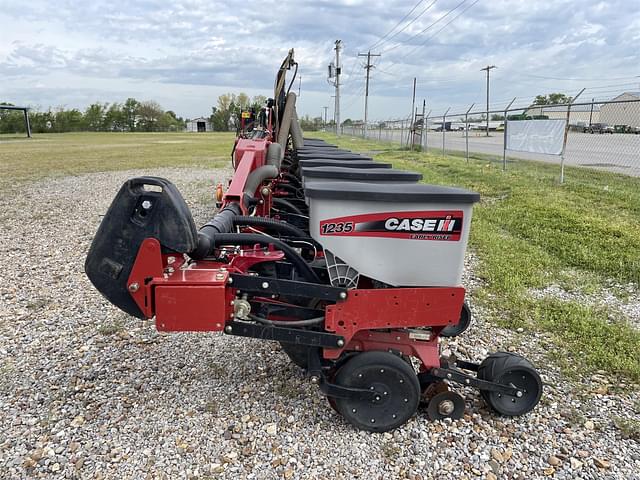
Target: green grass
(55, 155)
(530, 232)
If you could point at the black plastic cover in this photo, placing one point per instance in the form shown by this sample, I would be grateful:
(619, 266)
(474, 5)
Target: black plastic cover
(145, 207)
(361, 174)
(342, 163)
(404, 192)
(329, 156)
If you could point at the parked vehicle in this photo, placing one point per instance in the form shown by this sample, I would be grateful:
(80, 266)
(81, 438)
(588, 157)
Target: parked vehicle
(598, 128)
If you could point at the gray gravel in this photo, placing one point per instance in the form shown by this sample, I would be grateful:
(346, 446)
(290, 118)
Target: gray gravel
(87, 392)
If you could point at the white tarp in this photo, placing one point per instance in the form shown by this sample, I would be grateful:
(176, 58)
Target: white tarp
(536, 136)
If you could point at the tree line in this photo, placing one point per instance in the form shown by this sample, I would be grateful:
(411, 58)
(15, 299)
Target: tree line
(130, 116)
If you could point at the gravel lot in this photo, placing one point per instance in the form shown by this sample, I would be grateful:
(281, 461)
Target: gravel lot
(86, 392)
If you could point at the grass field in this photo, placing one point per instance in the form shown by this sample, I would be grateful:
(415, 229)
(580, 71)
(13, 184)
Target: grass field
(65, 154)
(528, 232)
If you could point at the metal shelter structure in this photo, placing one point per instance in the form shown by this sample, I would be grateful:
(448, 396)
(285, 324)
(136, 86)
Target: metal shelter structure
(25, 110)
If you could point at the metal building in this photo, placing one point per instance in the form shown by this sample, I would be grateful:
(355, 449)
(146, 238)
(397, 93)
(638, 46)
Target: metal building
(627, 112)
(200, 124)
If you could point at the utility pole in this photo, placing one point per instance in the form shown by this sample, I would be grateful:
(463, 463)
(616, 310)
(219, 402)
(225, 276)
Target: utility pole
(299, 84)
(413, 112)
(325, 116)
(368, 68)
(338, 68)
(487, 69)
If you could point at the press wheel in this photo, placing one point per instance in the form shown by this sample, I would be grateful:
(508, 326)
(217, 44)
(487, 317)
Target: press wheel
(513, 370)
(396, 386)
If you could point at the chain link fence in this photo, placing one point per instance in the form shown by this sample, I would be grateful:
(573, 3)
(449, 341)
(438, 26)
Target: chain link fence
(601, 138)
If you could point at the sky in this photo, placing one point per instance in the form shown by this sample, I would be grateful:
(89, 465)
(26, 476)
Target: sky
(185, 53)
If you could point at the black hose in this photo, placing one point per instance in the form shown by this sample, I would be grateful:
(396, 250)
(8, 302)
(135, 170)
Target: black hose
(220, 239)
(269, 223)
(284, 323)
(288, 206)
(291, 178)
(290, 188)
(221, 223)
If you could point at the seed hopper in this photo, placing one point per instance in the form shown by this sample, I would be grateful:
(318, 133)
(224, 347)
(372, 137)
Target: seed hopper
(353, 267)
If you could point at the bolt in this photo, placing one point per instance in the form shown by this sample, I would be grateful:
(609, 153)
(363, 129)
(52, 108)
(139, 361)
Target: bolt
(382, 370)
(353, 410)
(467, 381)
(343, 295)
(134, 287)
(146, 204)
(385, 393)
(394, 416)
(340, 343)
(519, 394)
(377, 397)
(359, 375)
(230, 280)
(406, 400)
(265, 191)
(170, 260)
(401, 381)
(232, 303)
(265, 284)
(315, 379)
(448, 375)
(228, 329)
(373, 420)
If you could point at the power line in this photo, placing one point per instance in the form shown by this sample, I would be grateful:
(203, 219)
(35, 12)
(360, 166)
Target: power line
(428, 7)
(368, 68)
(395, 26)
(442, 28)
(427, 28)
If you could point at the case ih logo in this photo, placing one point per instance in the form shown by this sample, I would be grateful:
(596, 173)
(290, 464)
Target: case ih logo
(428, 225)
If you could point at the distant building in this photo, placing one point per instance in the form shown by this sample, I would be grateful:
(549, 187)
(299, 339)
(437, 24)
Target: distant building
(580, 114)
(200, 124)
(622, 113)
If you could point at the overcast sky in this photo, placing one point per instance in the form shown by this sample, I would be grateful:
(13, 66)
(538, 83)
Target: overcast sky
(184, 53)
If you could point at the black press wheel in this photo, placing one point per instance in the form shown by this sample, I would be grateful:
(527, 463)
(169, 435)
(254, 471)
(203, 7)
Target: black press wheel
(514, 370)
(463, 324)
(395, 383)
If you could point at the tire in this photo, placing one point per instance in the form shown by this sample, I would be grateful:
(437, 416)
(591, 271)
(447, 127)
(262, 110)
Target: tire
(388, 374)
(461, 326)
(508, 368)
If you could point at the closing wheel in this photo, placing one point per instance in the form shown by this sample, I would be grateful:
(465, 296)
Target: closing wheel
(446, 405)
(514, 370)
(298, 354)
(462, 325)
(396, 387)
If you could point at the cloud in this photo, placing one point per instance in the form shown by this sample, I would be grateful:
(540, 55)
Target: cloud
(209, 44)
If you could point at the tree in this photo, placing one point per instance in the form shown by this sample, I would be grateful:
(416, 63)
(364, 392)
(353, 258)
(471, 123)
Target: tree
(149, 114)
(130, 111)
(115, 119)
(94, 117)
(552, 99)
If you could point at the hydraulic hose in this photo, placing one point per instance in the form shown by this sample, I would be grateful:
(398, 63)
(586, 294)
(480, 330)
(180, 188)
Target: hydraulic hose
(288, 206)
(221, 223)
(253, 238)
(258, 176)
(269, 223)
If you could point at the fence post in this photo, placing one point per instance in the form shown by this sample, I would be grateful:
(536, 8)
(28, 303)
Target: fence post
(426, 130)
(401, 133)
(504, 136)
(466, 131)
(566, 135)
(444, 130)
